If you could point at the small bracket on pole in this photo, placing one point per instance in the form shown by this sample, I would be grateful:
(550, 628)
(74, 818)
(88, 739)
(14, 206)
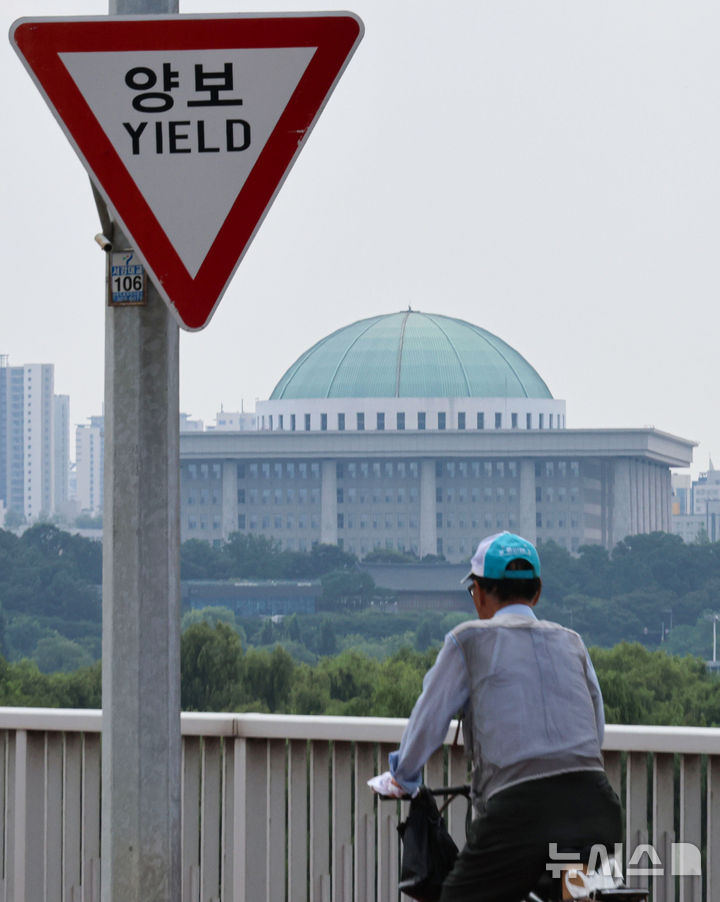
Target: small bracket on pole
(108, 226)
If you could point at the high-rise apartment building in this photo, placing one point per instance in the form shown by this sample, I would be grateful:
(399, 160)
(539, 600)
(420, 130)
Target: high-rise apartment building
(27, 438)
(89, 465)
(61, 452)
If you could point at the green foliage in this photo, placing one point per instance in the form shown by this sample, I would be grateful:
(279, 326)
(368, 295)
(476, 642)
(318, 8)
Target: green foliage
(327, 641)
(211, 667)
(201, 560)
(249, 556)
(268, 679)
(646, 590)
(346, 589)
(57, 653)
(23, 684)
(50, 589)
(212, 614)
(652, 687)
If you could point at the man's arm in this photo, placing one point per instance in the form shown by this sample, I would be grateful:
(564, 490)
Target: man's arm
(596, 695)
(446, 688)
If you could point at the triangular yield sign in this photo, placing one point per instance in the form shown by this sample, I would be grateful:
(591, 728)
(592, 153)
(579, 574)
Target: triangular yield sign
(188, 126)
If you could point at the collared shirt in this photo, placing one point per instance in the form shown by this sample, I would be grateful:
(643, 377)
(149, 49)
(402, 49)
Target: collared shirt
(446, 691)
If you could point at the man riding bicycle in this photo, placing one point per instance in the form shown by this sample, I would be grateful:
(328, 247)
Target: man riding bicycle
(533, 728)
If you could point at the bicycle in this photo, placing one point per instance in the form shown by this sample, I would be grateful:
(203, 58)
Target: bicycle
(568, 876)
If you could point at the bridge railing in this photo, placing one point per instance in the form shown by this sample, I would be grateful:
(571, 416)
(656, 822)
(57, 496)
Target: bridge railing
(276, 807)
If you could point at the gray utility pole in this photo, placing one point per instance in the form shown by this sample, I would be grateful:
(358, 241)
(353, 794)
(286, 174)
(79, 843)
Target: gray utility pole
(141, 749)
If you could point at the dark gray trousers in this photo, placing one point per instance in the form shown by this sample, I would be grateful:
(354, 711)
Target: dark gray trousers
(508, 846)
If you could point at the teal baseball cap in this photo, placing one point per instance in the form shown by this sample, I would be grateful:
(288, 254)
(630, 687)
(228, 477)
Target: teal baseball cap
(494, 553)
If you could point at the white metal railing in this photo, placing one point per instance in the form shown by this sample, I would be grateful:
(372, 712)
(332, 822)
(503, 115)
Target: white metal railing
(276, 808)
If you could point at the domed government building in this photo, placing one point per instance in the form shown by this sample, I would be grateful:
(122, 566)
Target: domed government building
(420, 432)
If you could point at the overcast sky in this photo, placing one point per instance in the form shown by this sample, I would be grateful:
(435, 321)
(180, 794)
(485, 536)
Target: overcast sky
(547, 170)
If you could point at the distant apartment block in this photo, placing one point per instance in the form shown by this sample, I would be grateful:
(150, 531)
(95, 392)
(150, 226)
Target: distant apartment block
(188, 425)
(89, 465)
(61, 452)
(696, 506)
(234, 421)
(34, 459)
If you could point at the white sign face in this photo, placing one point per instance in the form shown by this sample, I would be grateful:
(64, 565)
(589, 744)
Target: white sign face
(189, 126)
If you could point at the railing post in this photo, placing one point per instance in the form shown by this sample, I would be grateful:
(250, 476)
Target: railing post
(55, 851)
(712, 865)
(387, 841)
(364, 823)
(298, 821)
(636, 813)
(276, 819)
(91, 779)
(29, 849)
(663, 819)
(341, 822)
(319, 822)
(690, 829)
(210, 822)
(250, 813)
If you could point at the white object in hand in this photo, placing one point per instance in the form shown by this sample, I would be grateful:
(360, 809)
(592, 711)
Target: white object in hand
(386, 786)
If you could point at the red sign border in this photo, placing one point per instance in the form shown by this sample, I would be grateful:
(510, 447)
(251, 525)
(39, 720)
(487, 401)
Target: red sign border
(39, 43)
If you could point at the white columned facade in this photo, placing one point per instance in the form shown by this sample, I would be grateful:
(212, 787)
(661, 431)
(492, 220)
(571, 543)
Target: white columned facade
(229, 499)
(528, 507)
(428, 522)
(328, 503)
(621, 502)
(666, 488)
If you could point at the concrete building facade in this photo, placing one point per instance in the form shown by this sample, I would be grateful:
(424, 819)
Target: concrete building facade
(422, 433)
(696, 506)
(61, 452)
(28, 461)
(89, 465)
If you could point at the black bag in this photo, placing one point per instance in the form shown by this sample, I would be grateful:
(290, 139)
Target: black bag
(428, 850)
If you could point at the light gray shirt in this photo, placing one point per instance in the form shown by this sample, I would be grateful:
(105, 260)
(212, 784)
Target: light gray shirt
(532, 703)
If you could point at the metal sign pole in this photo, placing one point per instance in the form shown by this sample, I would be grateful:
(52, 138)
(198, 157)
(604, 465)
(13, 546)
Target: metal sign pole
(141, 755)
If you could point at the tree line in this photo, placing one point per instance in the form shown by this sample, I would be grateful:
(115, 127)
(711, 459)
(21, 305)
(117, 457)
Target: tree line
(639, 686)
(654, 590)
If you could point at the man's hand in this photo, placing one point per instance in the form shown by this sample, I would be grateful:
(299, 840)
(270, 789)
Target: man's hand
(385, 785)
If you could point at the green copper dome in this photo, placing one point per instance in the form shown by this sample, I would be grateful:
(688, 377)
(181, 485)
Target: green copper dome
(411, 355)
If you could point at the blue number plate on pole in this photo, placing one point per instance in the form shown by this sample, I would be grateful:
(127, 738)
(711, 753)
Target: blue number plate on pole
(127, 280)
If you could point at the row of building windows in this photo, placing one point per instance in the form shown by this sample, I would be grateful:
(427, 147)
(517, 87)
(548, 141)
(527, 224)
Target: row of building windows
(388, 495)
(561, 494)
(279, 470)
(282, 422)
(392, 495)
(204, 497)
(203, 471)
(559, 521)
(397, 521)
(557, 469)
(476, 469)
(253, 522)
(388, 469)
(193, 523)
(278, 496)
(475, 494)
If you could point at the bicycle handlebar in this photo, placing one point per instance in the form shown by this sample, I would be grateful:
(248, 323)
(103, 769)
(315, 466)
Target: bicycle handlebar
(462, 790)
